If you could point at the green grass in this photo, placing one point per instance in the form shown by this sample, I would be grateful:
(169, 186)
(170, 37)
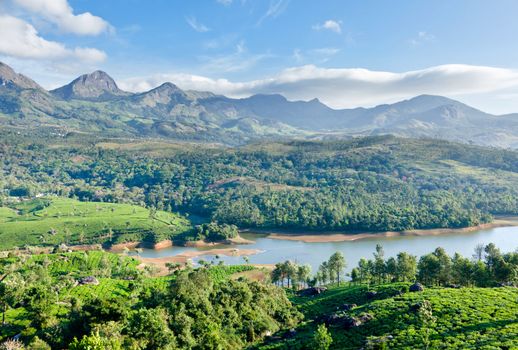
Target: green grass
(466, 318)
(61, 220)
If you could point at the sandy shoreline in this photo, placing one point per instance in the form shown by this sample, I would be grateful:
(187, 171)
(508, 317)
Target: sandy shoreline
(203, 244)
(327, 237)
(183, 258)
(168, 243)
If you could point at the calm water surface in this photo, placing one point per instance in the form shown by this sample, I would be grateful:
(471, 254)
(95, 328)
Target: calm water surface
(274, 250)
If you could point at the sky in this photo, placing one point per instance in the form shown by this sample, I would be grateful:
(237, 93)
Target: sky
(345, 53)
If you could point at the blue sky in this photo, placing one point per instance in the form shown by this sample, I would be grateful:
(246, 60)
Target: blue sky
(346, 53)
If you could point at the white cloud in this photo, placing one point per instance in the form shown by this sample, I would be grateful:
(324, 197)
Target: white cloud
(330, 24)
(60, 13)
(20, 39)
(197, 26)
(275, 8)
(350, 87)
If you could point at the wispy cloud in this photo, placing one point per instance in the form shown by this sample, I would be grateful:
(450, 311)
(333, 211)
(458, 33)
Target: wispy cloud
(330, 24)
(298, 56)
(421, 38)
(275, 8)
(350, 87)
(318, 55)
(197, 26)
(224, 2)
(239, 60)
(326, 51)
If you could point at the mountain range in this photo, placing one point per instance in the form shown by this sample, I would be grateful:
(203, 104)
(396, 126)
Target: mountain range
(93, 103)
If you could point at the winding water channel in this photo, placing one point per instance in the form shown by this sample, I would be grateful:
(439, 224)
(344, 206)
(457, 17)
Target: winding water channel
(275, 250)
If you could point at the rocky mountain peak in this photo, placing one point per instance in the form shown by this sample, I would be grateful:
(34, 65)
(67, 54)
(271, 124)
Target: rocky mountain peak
(8, 77)
(97, 85)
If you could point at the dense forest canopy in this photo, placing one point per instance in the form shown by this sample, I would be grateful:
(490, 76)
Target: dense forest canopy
(376, 183)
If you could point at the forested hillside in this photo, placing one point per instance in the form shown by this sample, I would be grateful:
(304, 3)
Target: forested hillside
(103, 301)
(375, 184)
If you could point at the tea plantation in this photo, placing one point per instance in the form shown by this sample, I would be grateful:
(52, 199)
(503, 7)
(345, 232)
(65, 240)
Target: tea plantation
(54, 220)
(463, 318)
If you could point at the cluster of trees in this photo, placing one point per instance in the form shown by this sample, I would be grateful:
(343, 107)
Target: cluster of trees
(488, 267)
(193, 310)
(366, 184)
(296, 275)
(403, 268)
(291, 273)
(332, 269)
(214, 232)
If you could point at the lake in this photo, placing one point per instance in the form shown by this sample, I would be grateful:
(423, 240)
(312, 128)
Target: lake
(275, 250)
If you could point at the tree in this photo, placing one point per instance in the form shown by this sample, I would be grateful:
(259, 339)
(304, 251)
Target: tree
(172, 267)
(303, 273)
(277, 274)
(492, 255)
(478, 253)
(365, 268)
(355, 275)
(379, 263)
(444, 273)
(94, 342)
(11, 288)
(391, 269)
(406, 267)
(429, 268)
(462, 270)
(322, 339)
(150, 326)
(323, 272)
(337, 264)
(290, 269)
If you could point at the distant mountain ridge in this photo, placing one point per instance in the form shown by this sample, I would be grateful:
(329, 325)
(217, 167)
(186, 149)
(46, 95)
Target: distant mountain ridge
(93, 103)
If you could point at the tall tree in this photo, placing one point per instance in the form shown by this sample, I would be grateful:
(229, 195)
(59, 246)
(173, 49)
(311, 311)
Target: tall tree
(337, 264)
(406, 267)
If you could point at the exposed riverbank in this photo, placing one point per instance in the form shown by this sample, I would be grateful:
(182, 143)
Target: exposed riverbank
(184, 257)
(204, 244)
(168, 243)
(327, 236)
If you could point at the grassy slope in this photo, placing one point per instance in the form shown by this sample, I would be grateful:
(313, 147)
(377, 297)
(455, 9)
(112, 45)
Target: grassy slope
(482, 318)
(68, 220)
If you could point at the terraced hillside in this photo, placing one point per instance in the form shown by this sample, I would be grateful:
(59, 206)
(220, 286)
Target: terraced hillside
(54, 220)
